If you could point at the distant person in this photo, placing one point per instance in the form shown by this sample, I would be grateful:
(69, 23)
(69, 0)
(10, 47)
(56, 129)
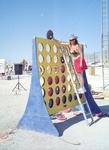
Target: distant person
(79, 61)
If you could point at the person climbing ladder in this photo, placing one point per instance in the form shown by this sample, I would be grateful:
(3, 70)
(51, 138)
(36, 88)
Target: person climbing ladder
(79, 61)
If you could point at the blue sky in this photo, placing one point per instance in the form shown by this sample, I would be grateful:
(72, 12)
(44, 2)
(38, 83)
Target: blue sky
(20, 20)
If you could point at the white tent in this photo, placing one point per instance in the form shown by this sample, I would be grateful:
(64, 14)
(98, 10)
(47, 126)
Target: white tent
(2, 66)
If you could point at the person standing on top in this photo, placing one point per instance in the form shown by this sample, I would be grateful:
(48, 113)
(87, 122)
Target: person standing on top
(79, 61)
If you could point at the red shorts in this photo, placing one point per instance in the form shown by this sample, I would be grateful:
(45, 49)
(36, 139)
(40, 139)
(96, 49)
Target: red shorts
(78, 68)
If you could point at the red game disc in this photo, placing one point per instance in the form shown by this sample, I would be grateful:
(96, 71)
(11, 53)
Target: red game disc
(50, 91)
(57, 100)
(50, 80)
(62, 68)
(63, 78)
(56, 79)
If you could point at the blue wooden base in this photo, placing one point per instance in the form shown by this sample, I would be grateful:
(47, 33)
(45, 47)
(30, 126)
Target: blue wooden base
(93, 106)
(36, 116)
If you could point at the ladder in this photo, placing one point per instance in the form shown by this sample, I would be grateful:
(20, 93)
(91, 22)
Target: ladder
(86, 114)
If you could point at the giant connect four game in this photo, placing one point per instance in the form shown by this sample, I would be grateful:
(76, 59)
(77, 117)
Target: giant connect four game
(56, 86)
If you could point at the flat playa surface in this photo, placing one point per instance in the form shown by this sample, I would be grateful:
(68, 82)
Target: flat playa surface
(76, 135)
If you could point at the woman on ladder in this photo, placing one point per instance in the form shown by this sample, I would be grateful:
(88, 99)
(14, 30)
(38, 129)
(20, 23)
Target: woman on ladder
(79, 61)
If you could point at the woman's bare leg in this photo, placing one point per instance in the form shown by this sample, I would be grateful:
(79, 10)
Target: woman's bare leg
(81, 80)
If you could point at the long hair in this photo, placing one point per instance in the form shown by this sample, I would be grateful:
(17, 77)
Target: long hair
(75, 41)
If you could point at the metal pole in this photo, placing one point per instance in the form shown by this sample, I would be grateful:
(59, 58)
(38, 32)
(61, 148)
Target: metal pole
(103, 86)
(102, 53)
(18, 82)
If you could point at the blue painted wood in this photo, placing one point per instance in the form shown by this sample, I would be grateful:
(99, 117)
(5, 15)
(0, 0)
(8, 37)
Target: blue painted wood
(93, 106)
(36, 116)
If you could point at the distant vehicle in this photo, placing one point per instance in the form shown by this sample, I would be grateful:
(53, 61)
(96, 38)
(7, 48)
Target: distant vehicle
(2, 66)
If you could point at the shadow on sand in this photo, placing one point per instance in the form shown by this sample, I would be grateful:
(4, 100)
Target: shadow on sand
(62, 126)
(105, 108)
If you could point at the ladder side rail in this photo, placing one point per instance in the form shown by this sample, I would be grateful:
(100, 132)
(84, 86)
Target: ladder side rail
(81, 105)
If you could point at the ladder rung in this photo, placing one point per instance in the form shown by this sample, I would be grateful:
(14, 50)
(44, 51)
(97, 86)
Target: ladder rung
(88, 114)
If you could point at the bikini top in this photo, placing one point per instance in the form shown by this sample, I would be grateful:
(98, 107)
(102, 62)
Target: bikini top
(75, 53)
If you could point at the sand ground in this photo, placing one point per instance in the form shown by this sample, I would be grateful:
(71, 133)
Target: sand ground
(75, 134)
